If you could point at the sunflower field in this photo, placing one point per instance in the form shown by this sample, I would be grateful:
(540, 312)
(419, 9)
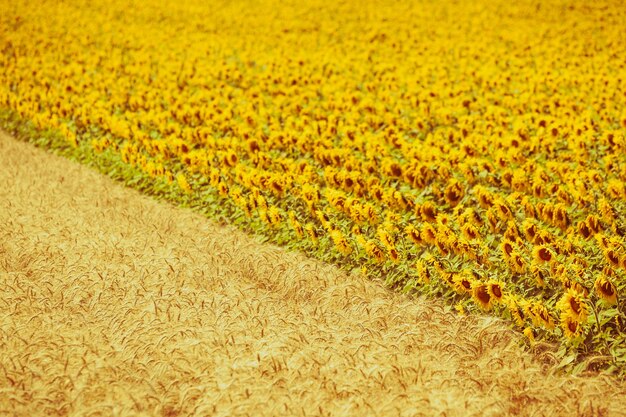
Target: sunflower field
(468, 151)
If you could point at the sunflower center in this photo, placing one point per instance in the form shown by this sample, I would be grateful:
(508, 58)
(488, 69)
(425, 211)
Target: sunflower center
(572, 326)
(483, 295)
(575, 305)
(545, 254)
(607, 289)
(497, 291)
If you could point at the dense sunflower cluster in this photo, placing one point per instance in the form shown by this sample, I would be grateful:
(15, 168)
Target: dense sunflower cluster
(470, 151)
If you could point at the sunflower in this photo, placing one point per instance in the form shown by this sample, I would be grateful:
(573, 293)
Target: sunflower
(463, 283)
(312, 232)
(393, 254)
(613, 257)
(571, 327)
(516, 307)
(584, 230)
(423, 273)
(470, 231)
(361, 241)
(274, 215)
(375, 251)
(369, 212)
(428, 212)
(323, 218)
(222, 189)
(453, 193)
(530, 334)
(460, 309)
(297, 227)
(482, 297)
(492, 219)
(539, 275)
(341, 243)
(512, 232)
(605, 289)
(507, 249)
(414, 234)
(385, 237)
(429, 234)
(542, 253)
(496, 290)
(541, 315)
(517, 262)
(183, 183)
(261, 202)
(530, 230)
(574, 304)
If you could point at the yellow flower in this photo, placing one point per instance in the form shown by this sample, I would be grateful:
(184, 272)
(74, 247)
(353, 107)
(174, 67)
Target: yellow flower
(182, 183)
(393, 254)
(482, 297)
(540, 314)
(374, 251)
(463, 283)
(530, 335)
(570, 325)
(542, 253)
(428, 212)
(496, 290)
(341, 243)
(222, 189)
(423, 274)
(429, 234)
(385, 237)
(274, 215)
(413, 233)
(605, 289)
(453, 193)
(470, 231)
(575, 305)
(460, 309)
(312, 232)
(517, 307)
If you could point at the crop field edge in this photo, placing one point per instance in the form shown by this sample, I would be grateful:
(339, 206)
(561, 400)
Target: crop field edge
(560, 358)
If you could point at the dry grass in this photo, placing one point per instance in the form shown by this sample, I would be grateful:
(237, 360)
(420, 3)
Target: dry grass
(114, 304)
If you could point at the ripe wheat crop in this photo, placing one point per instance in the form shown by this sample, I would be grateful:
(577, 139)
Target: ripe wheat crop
(473, 152)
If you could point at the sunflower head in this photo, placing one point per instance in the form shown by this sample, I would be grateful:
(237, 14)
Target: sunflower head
(496, 290)
(507, 248)
(571, 327)
(613, 257)
(423, 273)
(428, 212)
(574, 304)
(530, 334)
(542, 253)
(463, 283)
(312, 232)
(394, 255)
(413, 233)
(541, 315)
(516, 308)
(374, 251)
(482, 297)
(470, 231)
(605, 289)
